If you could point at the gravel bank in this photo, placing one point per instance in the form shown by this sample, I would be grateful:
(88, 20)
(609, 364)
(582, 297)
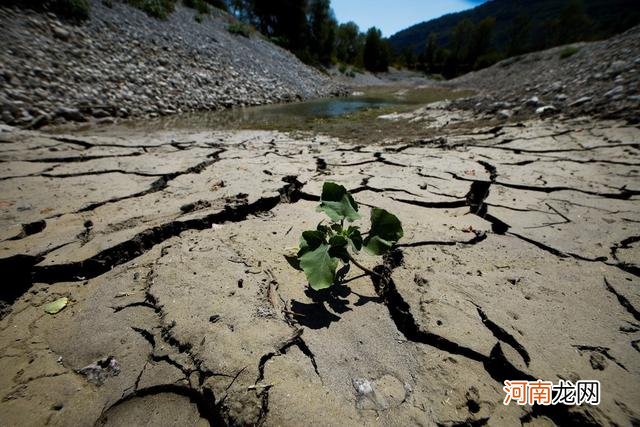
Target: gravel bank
(123, 63)
(600, 78)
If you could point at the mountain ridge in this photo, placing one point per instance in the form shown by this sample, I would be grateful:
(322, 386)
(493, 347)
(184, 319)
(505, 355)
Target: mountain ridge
(609, 17)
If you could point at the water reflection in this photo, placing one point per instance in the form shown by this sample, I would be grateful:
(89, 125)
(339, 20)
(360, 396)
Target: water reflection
(265, 116)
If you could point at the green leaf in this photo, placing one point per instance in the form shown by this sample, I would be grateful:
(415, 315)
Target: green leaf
(377, 246)
(324, 229)
(355, 238)
(339, 248)
(338, 241)
(57, 306)
(310, 240)
(293, 261)
(319, 267)
(386, 229)
(337, 203)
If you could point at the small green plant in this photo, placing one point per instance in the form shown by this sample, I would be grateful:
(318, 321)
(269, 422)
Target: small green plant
(568, 51)
(240, 29)
(323, 249)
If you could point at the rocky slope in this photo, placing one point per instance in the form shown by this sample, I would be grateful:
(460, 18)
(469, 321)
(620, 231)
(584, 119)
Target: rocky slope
(124, 63)
(600, 78)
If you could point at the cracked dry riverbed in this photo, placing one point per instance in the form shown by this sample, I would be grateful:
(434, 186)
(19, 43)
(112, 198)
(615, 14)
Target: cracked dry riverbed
(520, 260)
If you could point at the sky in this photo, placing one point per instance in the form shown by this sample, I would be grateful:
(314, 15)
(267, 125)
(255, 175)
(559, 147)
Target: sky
(392, 16)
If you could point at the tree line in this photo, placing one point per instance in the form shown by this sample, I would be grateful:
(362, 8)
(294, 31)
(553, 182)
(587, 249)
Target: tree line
(309, 29)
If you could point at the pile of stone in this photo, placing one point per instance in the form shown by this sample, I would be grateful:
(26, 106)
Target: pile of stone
(124, 63)
(599, 78)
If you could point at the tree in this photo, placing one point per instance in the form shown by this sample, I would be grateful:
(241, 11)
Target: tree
(285, 21)
(572, 25)
(430, 53)
(408, 58)
(322, 25)
(347, 42)
(482, 53)
(461, 47)
(241, 9)
(518, 36)
(482, 37)
(376, 51)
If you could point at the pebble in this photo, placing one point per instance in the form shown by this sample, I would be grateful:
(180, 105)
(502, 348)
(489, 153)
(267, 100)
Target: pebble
(533, 101)
(617, 67)
(546, 110)
(618, 90)
(580, 101)
(505, 114)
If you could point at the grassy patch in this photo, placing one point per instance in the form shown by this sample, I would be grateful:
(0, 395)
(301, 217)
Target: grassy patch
(240, 29)
(160, 9)
(347, 71)
(568, 51)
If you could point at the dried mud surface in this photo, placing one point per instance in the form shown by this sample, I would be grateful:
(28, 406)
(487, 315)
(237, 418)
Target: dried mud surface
(520, 260)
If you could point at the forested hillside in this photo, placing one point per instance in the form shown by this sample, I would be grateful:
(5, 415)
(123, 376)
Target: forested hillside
(472, 39)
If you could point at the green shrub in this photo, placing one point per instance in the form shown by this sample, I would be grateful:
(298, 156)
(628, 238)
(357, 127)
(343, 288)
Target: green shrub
(280, 41)
(198, 18)
(568, 51)
(240, 29)
(342, 68)
(160, 9)
(199, 5)
(73, 10)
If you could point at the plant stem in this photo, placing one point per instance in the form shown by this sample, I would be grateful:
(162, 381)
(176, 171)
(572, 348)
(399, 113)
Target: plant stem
(362, 267)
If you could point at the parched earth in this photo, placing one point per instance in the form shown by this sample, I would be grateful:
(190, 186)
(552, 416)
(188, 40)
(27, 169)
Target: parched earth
(520, 260)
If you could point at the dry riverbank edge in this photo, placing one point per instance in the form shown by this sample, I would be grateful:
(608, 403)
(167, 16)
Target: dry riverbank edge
(520, 260)
(122, 63)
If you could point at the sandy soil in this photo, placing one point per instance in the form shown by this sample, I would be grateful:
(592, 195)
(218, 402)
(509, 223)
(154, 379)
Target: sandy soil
(520, 260)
